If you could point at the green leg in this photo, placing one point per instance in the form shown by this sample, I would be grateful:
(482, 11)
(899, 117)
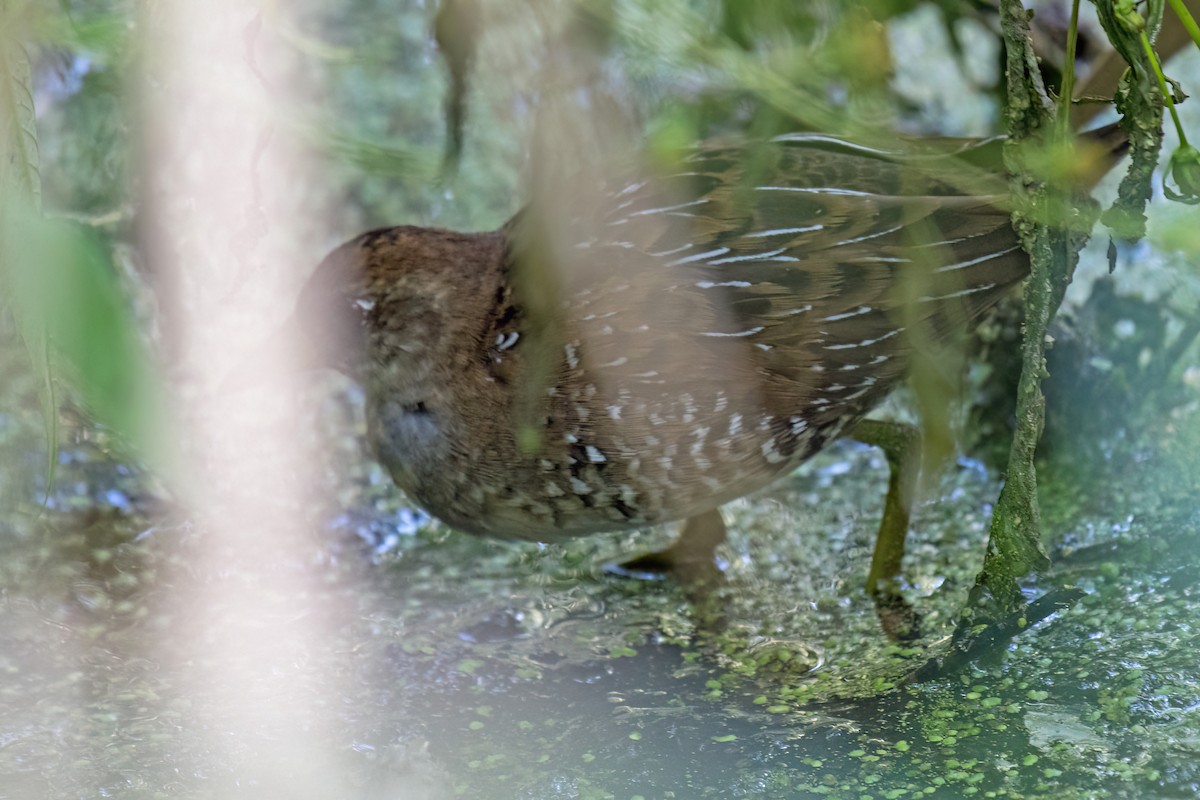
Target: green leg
(691, 561)
(901, 445)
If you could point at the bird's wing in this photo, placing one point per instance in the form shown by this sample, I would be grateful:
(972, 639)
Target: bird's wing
(826, 261)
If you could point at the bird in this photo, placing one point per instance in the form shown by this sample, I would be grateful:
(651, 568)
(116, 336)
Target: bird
(715, 328)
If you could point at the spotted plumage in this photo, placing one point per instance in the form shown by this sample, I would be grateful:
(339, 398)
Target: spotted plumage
(718, 326)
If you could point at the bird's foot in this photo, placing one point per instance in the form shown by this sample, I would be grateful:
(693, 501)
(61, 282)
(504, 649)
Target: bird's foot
(897, 617)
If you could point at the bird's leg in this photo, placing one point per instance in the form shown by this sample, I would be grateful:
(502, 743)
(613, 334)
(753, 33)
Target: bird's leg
(690, 559)
(901, 445)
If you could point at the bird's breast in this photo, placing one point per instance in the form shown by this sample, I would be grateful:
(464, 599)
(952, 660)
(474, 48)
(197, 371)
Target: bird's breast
(607, 458)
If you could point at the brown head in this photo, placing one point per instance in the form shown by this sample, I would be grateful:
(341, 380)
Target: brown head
(404, 312)
(385, 306)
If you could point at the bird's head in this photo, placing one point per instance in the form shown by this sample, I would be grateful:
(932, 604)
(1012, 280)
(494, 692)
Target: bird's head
(384, 307)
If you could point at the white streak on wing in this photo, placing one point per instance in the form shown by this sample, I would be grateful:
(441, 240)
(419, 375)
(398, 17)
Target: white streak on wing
(864, 342)
(957, 240)
(750, 332)
(712, 284)
(783, 231)
(751, 257)
(671, 252)
(974, 261)
(720, 251)
(816, 190)
(867, 236)
(962, 293)
(665, 209)
(855, 313)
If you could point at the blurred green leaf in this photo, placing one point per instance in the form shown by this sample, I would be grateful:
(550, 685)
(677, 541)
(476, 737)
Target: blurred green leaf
(20, 178)
(1180, 235)
(65, 293)
(103, 33)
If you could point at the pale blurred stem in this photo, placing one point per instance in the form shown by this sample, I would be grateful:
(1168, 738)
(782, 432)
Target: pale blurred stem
(1067, 93)
(1185, 17)
(1168, 96)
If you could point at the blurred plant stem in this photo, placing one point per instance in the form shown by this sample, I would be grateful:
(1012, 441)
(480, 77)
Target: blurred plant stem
(21, 187)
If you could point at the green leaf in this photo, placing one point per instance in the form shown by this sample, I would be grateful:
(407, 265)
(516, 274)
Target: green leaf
(20, 183)
(67, 295)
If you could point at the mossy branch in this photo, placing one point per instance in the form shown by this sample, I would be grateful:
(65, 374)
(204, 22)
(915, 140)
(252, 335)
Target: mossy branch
(1052, 226)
